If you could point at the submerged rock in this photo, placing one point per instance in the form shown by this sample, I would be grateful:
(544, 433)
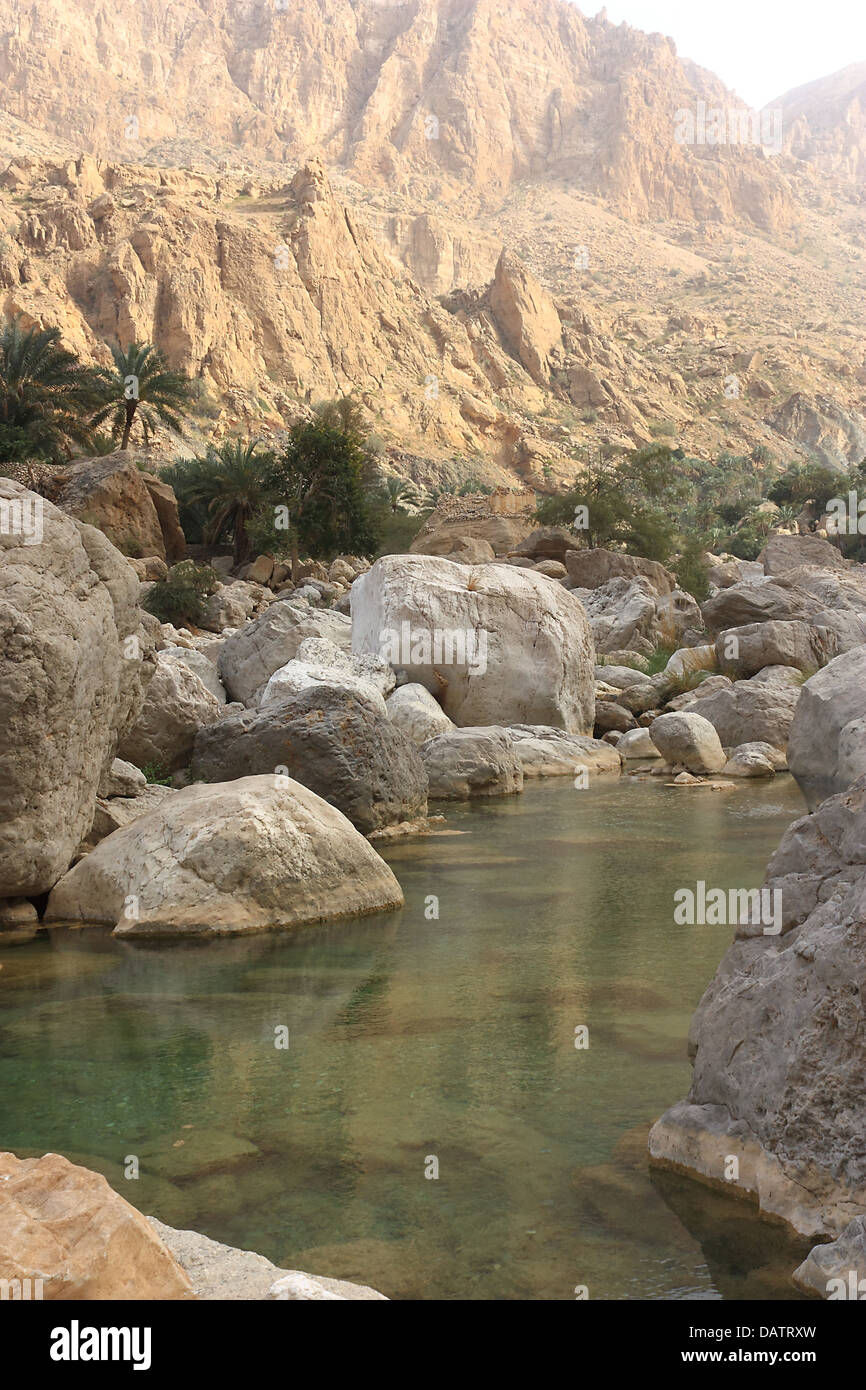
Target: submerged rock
(218, 1271)
(244, 856)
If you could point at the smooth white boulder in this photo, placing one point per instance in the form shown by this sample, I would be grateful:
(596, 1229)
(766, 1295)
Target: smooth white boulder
(416, 713)
(496, 643)
(225, 858)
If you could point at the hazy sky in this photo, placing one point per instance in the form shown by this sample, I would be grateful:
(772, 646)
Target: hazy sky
(760, 48)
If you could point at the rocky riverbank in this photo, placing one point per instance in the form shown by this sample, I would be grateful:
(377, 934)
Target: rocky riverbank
(228, 778)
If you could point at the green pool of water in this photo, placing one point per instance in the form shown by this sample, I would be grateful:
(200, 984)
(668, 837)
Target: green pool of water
(415, 1038)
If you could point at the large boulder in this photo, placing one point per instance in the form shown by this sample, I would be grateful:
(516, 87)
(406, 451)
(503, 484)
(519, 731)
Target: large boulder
(249, 657)
(218, 860)
(320, 662)
(74, 664)
(545, 752)
(438, 537)
(200, 664)
(472, 762)
(631, 612)
(778, 1044)
(821, 598)
(759, 710)
(827, 740)
(688, 740)
(165, 505)
(744, 651)
(589, 569)
(339, 745)
(782, 553)
(66, 1231)
(836, 1270)
(416, 713)
(497, 644)
(111, 494)
(548, 543)
(177, 705)
(233, 604)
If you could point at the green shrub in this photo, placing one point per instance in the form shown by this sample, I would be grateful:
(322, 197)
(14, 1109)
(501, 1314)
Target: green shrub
(180, 597)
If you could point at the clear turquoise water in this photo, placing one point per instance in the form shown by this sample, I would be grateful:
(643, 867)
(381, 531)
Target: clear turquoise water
(413, 1038)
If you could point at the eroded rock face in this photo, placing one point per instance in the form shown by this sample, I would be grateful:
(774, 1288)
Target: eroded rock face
(338, 744)
(472, 762)
(177, 705)
(525, 316)
(497, 644)
(70, 682)
(111, 493)
(777, 1042)
(783, 553)
(215, 860)
(744, 651)
(250, 656)
(759, 710)
(588, 569)
(827, 741)
(65, 1226)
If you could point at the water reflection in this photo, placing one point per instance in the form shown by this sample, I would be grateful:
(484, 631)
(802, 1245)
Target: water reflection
(413, 1036)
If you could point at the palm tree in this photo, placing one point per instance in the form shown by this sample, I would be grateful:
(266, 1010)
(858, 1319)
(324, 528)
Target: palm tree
(46, 394)
(231, 483)
(142, 387)
(400, 493)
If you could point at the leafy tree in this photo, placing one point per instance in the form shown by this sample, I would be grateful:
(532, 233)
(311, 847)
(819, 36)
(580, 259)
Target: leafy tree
(220, 492)
(47, 395)
(808, 482)
(343, 413)
(630, 503)
(180, 597)
(142, 387)
(691, 569)
(319, 493)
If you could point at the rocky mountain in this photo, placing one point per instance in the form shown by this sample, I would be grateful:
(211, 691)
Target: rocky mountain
(825, 123)
(481, 218)
(467, 98)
